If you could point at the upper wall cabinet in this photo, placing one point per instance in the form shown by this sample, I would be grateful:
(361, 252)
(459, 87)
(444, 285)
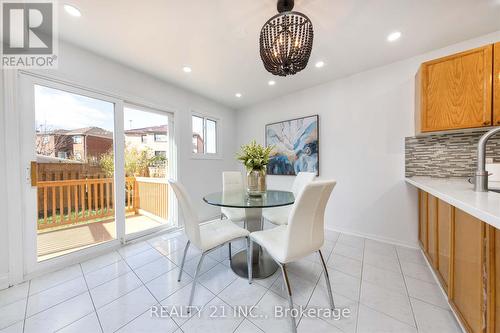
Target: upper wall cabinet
(496, 84)
(455, 92)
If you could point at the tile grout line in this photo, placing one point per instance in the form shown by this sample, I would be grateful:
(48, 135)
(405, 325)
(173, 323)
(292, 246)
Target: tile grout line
(144, 285)
(91, 299)
(407, 292)
(26, 307)
(360, 286)
(407, 295)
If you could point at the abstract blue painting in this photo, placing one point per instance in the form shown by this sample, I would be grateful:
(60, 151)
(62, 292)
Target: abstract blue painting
(296, 146)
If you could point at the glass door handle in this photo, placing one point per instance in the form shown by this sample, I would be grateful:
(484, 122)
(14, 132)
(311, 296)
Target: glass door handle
(34, 173)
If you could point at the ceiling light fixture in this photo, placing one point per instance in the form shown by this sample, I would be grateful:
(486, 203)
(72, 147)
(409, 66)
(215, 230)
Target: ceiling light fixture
(394, 36)
(187, 69)
(319, 64)
(271, 83)
(238, 95)
(72, 10)
(286, 41)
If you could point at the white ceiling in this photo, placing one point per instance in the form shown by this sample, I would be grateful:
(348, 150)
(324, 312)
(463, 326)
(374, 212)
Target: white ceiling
(219, 38)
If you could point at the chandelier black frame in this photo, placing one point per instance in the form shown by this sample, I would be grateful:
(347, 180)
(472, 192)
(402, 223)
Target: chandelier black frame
(286, 41)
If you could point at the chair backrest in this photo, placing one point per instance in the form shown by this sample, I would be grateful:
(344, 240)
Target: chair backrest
(191, 222)
(232, 181)
(301, 180)
(305, 230)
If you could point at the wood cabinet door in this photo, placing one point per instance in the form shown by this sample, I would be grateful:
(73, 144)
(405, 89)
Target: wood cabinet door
(493, 270)
(445, 219)
(432, 230)
(467, 270)
(496, 84)
(456, 91)
(422, 218)
(496, 295)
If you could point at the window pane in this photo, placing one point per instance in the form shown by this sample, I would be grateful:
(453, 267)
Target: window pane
(74, 148)
(198, 143)
(211, 137)
(159, 137)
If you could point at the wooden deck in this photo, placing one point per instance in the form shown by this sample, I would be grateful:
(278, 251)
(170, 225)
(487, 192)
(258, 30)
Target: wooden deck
(54, 243)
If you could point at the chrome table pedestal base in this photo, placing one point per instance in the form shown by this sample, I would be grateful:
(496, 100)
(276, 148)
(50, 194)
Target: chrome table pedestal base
(263, 265)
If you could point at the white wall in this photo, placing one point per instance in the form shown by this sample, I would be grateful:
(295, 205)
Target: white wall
(363, 121)
(90, 70)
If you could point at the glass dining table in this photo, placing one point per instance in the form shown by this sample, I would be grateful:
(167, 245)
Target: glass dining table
(263, 265)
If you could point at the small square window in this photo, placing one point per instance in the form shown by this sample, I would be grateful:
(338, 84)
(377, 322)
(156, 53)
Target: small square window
(77, 139)
(160, 137)
(204, 135)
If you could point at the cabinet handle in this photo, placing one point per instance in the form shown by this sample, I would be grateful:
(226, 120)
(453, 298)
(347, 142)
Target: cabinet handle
(487, 122)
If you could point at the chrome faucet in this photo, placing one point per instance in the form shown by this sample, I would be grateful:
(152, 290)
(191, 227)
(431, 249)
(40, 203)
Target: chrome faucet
(481, 175)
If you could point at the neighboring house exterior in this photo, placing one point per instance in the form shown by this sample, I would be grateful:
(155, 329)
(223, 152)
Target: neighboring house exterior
(153, 138)
(198, 144)
(82, 144)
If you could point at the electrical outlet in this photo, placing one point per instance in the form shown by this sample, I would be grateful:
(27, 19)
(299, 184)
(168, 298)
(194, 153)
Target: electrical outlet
(489, 160)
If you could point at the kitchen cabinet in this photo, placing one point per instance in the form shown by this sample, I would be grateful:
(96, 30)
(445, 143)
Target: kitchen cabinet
(422, 219)
(496, 84)
(432, 229)
(464, 253)
(444, 230)
(455, 92)
(468, 253)
(493, 282)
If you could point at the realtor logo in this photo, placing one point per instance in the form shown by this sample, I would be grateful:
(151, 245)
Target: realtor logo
(28, 35)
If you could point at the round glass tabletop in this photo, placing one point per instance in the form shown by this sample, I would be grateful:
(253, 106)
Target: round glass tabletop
(241, 199)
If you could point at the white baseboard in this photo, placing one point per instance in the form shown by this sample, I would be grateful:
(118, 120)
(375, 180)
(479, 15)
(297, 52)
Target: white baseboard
(375, 238)
(4, 281)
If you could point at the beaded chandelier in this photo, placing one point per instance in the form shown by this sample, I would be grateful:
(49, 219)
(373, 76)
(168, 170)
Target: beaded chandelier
(286, 41)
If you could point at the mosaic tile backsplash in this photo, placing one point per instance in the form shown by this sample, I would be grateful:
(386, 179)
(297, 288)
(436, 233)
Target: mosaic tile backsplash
(446, 155)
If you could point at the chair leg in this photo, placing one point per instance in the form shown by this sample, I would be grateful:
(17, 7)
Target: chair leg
(327, 280)
(196, 273)
(290, 301)
(230, 255)
(249, 259)
(183, 259)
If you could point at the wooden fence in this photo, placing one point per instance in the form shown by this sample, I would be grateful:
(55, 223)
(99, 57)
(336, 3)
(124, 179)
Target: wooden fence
(64, 202)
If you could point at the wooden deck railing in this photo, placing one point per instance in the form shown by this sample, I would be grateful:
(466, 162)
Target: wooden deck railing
(64, 202)
(152, 194)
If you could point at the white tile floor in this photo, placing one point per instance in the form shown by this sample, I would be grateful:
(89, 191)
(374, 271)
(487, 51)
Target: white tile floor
(386, 288)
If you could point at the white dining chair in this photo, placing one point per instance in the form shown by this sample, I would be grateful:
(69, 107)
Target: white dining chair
(279, 215)
(232, 181)
(206, 237)
(301, 236)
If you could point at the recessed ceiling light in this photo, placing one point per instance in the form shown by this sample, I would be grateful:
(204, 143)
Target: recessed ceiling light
(319, 64)
(394, 36)
(187, 69)
(238, 95)
(271, 83)
(72, 10)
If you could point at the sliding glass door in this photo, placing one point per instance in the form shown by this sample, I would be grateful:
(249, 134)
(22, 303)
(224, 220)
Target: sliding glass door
(96, 170)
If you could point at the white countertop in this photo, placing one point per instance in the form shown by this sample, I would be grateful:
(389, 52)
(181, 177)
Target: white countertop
(458, 192)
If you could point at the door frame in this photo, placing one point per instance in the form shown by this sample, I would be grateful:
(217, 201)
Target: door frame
(29, 193)
(19, 173)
